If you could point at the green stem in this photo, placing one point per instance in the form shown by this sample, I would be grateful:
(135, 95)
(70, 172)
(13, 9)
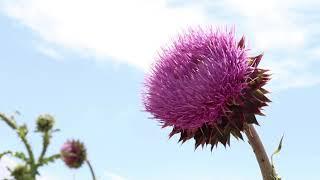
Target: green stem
(91, 170)
(45, 144)
(9, 121)
(31, 157)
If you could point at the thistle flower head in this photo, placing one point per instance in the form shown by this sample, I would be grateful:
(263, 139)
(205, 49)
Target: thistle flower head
(73, 153)
(45, 123)
(206, 86)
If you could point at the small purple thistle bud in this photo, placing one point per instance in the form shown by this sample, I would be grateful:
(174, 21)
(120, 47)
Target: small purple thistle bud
(73, 153)
(206, 87)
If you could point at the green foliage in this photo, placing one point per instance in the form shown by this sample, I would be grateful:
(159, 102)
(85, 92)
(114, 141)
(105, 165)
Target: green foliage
(5, 153)
(277, 151)
(18, 155)
(50, 159)
(22, 172)
(29, 169)
(10, 121)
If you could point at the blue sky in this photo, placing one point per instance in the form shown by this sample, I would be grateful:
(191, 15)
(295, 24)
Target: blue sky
(84, 62)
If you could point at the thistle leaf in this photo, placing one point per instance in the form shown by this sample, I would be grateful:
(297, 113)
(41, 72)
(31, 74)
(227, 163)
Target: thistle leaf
(277, 151)
(50, 159)
(5, 153)
(19, 155)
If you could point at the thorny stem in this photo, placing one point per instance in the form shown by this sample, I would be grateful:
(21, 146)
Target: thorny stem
(9, 121)
(46, 141)
(261, 155)
(31, 156)
(13, 125)
(91, 170)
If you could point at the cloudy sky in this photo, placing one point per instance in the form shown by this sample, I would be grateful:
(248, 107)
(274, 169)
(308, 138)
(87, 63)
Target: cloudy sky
(84, 62)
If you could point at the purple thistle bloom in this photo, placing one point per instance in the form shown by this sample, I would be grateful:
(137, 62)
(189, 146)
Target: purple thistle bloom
(206, 86)
(73, 153)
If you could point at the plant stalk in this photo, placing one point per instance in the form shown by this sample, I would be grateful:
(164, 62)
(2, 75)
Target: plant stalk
(45, 144)
(91, 170)
(31, 157)
(11, 123)
(261, 155)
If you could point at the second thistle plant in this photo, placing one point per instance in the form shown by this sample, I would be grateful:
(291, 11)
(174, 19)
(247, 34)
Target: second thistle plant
(73, 152)
(30, 169)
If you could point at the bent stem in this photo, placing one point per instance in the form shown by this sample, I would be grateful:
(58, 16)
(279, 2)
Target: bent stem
(91, 170)
(261, 155)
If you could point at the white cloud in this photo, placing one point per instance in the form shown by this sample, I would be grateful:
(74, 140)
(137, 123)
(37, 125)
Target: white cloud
(6, 163)
(276, 29)
(284, 31)
(126, 30)
(314, 53)
(269, 22)
(292, 73)
(49, 51)
(132, 31)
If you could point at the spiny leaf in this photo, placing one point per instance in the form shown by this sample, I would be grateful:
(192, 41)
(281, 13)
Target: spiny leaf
(50, 159)
(9, 121)
(277, 151)
(19, 155)
(5, 153)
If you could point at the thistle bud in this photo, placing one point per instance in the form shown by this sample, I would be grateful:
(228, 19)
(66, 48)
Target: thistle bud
(45, 123)
(21, 172)
(73, 153)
